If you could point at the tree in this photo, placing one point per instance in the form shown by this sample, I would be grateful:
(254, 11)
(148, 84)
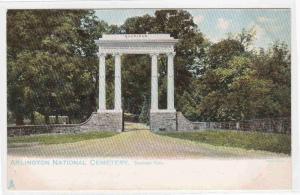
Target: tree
(275, 65)
(240, 84)
(54, 54)
(189, 51)
(246, 37)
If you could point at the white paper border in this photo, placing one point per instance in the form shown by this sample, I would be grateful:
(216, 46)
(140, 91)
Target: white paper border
(21, 4)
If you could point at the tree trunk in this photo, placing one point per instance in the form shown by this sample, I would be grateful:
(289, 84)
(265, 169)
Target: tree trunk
(19, 119)
(32, 118)
(93, 97)
(56, 119)
(47, 119)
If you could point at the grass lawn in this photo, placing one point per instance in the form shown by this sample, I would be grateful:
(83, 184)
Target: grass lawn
(58, 138)
(280, 143)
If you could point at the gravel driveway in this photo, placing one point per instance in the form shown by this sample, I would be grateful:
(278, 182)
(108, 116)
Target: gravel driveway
(137, 144)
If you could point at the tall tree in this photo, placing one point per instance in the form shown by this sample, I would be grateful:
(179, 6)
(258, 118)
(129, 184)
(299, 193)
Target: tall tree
(50, 50)
(274, 64)
(189, 51)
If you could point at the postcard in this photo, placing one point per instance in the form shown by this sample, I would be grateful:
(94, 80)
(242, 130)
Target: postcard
(119, 97)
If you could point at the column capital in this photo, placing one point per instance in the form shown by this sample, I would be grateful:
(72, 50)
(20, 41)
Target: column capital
(99, 54)
(117, 54)
(154, 54)
(171, 54)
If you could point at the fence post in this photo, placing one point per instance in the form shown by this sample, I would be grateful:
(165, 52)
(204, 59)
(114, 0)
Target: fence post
(237, 126)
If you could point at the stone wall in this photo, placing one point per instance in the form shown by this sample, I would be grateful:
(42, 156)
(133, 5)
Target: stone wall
(159, 121)
(183, 124)
(41, 129)
(103, 121)
(274, 125)
(163, 121)
(200, 125)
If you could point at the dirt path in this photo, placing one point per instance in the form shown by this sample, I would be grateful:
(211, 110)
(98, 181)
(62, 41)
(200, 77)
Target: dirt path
(129, 126)
(138, 144)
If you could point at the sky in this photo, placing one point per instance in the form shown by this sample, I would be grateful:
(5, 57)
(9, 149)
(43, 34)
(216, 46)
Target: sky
(270, 24)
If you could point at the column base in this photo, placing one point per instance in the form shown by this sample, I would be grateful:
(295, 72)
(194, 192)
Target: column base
(163, 120)
(104, 120)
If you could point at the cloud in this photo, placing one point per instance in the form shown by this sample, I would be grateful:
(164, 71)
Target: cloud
(269, 24)
(223, 24)
(198, 19)
(260, 32)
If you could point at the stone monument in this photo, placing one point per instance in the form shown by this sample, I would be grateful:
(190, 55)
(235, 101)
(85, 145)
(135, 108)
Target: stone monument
(123, 44)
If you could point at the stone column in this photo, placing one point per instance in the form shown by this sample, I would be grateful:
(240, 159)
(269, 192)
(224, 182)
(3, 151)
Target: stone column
(118, 97)
(102, 89)
(171, 81)
(154, 82)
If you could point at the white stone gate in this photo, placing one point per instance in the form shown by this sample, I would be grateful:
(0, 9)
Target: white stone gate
(153, 45)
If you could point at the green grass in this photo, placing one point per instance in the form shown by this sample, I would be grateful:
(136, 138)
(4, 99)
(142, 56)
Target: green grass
(58, 138)
(280, 143)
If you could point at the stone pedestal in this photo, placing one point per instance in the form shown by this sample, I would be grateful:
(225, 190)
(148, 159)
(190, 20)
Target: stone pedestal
(108, 120)
(163, 120)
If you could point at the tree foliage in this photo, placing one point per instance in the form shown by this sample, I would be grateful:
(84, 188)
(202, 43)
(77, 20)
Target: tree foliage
(243, 84)
(52, 66)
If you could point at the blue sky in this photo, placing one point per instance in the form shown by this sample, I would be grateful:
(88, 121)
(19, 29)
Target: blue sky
(270, 24)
